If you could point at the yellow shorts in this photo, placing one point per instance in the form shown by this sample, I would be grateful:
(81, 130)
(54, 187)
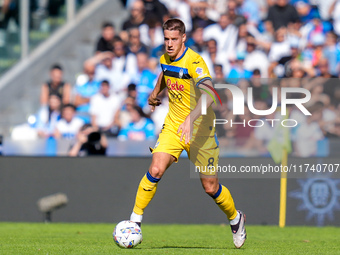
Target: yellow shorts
(203, 151)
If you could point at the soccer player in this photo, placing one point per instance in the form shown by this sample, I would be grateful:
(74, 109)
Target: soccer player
(187, 78)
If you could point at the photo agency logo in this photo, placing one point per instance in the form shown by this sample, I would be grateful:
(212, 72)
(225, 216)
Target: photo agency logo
(239, 101)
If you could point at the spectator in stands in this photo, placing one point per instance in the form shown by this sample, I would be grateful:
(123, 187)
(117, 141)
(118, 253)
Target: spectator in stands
(224, 33)
(279, 51)
(84, 90)
(196, 42)
(210, 55)
(323, 70)
(313, 54)
(293, 64)
(105, 42)
(69, 125)
(235, 18)
(156, 9)
(334, 12)
(104, 67)
(9, 9)
(135, 45)
(297, 71)
(331, 51)
(330, 118)
(104, 63)
(331, 86)
(250, 10)
(48, 116)
(145, 81)
(282, 14)
(139, 129)
(89, 142)
(180, 9)
(255, 59)
(313, 27)
(122, 61)
(103, 109)
(124, 116)
(241, 41)
(136, 18)
(303, 9)
(237, 70)
(55, 86)
(219, 75)
(132, 92)
(137, 15)
(199, 15)
(324, 8)
(260, 89)
(152, 36)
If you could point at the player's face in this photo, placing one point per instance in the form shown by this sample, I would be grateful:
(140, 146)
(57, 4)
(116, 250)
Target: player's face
(174, 43)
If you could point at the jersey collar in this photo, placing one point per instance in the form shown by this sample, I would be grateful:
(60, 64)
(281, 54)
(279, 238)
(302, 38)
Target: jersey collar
(179, 58)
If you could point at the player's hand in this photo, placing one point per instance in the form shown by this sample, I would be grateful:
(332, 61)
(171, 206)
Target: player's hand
(185, 128)
(153, 102)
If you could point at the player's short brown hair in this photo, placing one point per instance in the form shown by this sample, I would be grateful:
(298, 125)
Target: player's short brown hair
(174, 25)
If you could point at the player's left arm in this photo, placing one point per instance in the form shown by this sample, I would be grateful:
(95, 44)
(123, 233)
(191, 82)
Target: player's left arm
(186, 126)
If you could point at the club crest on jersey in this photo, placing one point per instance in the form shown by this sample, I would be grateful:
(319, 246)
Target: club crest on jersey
(180, 74)
(199, 70)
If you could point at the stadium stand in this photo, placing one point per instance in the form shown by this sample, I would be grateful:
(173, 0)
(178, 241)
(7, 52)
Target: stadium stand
(250, 44)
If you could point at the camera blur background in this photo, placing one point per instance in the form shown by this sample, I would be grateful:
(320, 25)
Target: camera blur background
(69, 63)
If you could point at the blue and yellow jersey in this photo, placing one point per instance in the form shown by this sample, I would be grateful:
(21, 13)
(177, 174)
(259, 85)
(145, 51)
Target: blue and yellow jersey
(182, 76)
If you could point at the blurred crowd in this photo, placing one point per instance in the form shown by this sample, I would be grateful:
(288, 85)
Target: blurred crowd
(259, 44)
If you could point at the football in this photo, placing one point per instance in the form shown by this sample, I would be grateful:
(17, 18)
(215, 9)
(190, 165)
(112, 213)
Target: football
(127, 234)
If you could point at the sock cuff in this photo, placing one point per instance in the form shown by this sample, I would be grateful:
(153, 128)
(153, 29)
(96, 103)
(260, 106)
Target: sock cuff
(136, 217)
(151, 178)
(218, 192)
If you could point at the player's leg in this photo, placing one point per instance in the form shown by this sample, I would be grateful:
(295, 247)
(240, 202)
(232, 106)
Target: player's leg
(204, 153)
(224, 200)
(148, 185)
(220, 194)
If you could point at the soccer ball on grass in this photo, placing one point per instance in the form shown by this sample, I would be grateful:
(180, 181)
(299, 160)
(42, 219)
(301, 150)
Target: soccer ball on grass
(127, 234)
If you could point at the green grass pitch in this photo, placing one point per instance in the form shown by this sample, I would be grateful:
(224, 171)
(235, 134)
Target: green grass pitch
(60, 238)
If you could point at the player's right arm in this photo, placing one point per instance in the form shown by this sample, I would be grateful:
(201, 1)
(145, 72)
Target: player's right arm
(160, 85)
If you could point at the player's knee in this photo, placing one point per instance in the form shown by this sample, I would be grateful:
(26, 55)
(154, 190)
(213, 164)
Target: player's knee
(210, 189)
(156, 171)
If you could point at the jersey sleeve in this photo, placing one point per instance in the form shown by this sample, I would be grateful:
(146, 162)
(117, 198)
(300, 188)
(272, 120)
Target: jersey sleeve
(199, 71)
